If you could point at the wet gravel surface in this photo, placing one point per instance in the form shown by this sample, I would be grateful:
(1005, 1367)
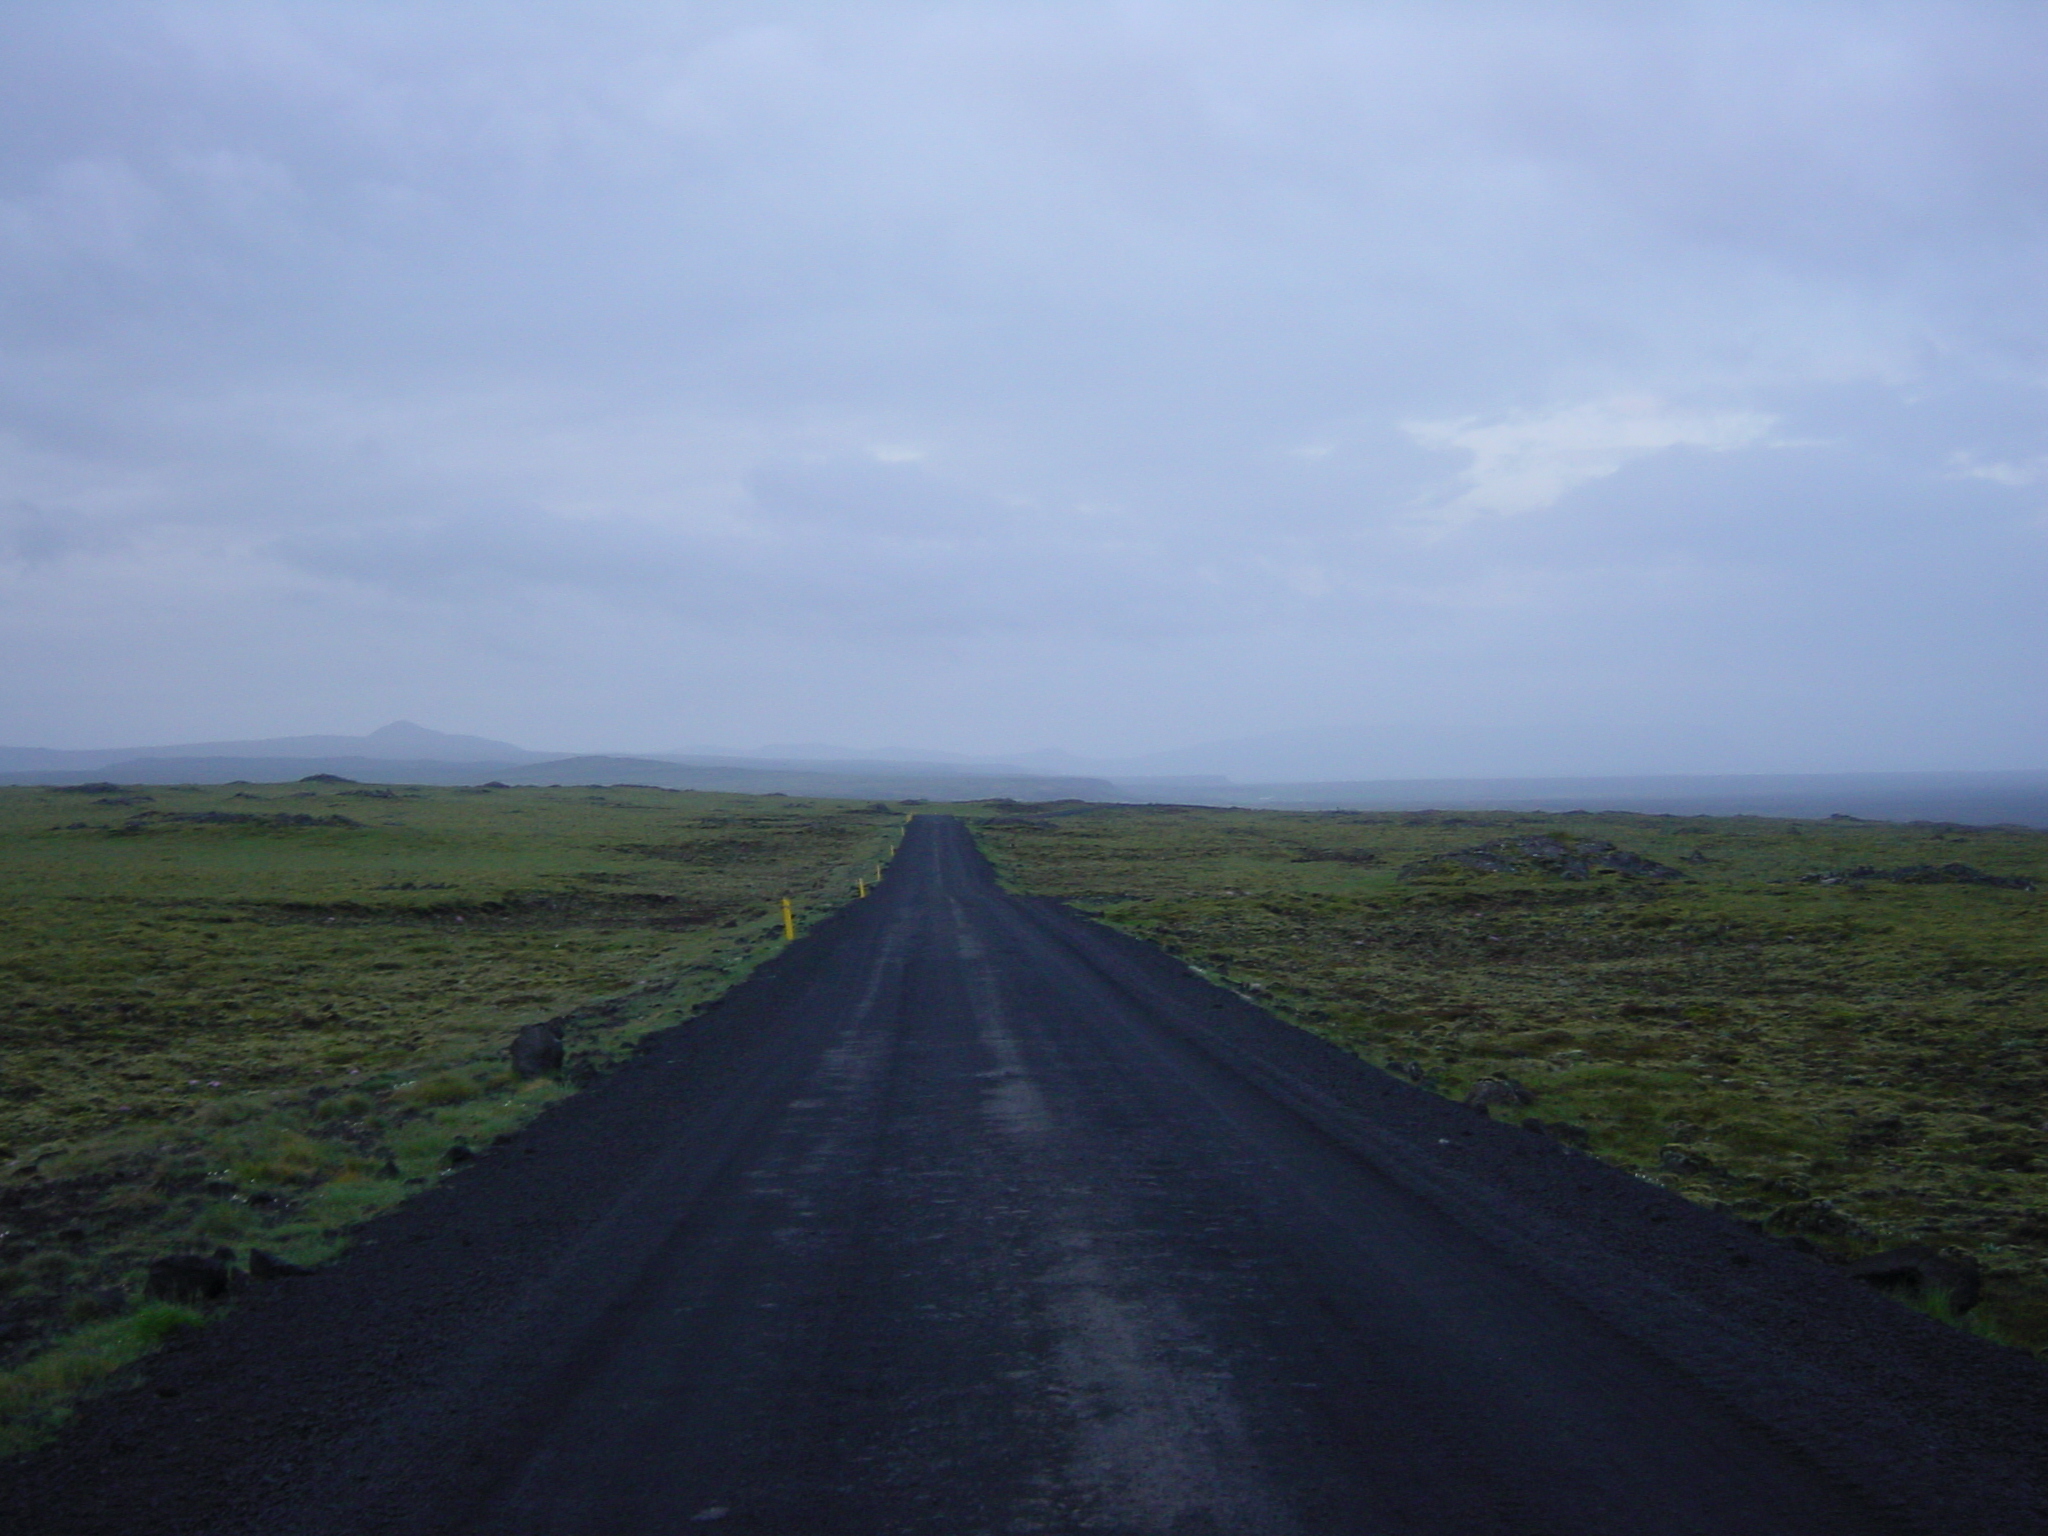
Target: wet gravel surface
(966, 1215)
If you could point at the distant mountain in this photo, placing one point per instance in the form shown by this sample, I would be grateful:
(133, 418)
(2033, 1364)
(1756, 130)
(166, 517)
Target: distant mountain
(400, 741)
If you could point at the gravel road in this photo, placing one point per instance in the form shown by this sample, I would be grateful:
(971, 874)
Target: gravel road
(967, 1216)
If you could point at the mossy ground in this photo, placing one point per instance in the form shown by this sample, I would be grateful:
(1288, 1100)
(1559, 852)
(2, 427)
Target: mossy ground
(1858, 1065)
(228, 1019)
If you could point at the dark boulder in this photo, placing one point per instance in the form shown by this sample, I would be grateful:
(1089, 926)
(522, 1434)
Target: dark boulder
(536, 1051)
(1680, 1159)
(268, 1266)
(1922, 1272)
(1504, 1091)
(188, 1277)
(1817, 1218)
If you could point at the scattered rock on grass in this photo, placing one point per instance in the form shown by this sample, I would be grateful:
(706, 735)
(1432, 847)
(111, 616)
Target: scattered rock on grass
(1921, 874)
(268, 1266)
(188, 1277)
(1679, 1159)
(1923, 1272)
(536, 1050)
(1817, 1217)
(1505, 1091)
(1565, 858)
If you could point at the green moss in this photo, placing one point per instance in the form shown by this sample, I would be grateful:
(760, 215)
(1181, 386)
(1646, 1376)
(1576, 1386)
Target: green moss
(430, 1092)
(37, 1394)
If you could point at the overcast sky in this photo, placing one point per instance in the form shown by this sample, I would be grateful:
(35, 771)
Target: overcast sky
(1438, 388)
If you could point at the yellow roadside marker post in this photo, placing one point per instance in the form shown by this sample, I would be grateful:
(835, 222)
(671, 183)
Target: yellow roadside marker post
(862, 885)
(788, 920)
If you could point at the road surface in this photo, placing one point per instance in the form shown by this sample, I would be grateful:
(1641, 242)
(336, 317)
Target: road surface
(968, 1216)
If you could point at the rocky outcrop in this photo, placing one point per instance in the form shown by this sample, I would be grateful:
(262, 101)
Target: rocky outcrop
(188, 1277)
(1560, 857)
(268, 1266)
(1923, 1273)
(1504, 1092)
(1921, 874)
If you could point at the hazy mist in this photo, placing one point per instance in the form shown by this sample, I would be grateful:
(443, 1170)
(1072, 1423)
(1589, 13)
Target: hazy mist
(1370, 390)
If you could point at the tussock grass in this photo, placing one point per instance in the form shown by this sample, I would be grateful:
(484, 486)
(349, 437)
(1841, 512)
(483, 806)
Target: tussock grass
(254, 1015)
(1853, 1065)
(36, 1398)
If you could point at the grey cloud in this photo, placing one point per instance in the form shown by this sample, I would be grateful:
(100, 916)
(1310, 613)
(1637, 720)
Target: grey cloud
(1086, 354)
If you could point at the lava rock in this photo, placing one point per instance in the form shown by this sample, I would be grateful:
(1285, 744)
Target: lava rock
(1921, 874)
(1817, 1217)
(536, 1050)
(188, 1277)
(1564, 858)
(1920, 1271)
(1505, 1091)
(1685, 1160)
(268, 1266)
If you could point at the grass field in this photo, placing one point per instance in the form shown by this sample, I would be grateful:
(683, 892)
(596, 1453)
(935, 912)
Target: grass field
(1853, 1061)
(251, 1015)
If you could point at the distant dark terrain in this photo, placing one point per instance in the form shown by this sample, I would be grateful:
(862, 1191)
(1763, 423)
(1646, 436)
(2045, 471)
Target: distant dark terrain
(409, 754)
(1971, 799)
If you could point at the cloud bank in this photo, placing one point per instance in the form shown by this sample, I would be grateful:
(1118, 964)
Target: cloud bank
(1486, 389)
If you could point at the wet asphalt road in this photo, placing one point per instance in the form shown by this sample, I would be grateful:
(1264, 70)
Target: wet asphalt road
(967, 1216)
